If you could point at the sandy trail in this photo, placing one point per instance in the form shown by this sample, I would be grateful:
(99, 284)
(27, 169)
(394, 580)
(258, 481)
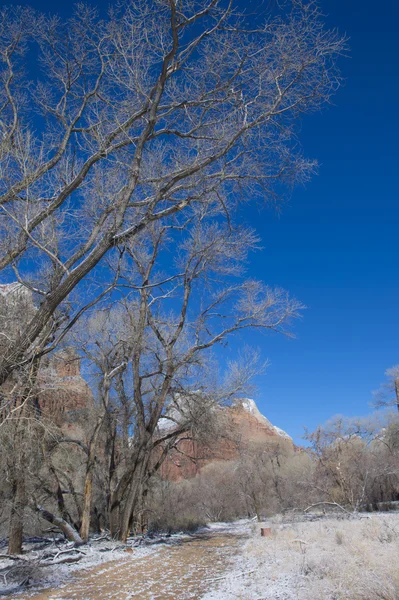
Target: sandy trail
(182, 570)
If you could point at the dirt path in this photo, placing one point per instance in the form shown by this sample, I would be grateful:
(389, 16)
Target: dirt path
(184, 570)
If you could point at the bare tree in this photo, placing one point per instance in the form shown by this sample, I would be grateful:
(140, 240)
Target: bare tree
(160, 117)
(388, 394)
(161, 112)
(149, 349)
(356, 460)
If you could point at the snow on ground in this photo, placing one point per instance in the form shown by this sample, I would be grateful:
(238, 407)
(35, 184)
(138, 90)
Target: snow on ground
(59, 574)
(242, 527)
(327, 559)
(319, 558)
(180, 567)
(93, 554)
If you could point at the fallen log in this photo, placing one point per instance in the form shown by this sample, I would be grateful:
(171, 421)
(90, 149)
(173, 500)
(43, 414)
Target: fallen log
(70, 532)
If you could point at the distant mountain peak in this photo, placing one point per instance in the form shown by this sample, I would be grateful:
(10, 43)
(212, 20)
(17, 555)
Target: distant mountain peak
(248, 405)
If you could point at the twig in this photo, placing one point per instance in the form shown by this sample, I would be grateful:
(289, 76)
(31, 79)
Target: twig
(72, 550)
(103, 537)
(234, 575)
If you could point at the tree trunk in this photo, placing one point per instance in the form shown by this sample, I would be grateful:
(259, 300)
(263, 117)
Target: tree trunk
(60, 496)
(27, 400)
(87, 498)
(70, 533)
(91, 459)
(128, 510)
(17, 515)
(114, 515)
(142, 516)
(133, 495)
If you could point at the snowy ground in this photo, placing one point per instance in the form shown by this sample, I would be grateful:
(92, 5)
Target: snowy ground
(326, 559)
(322, 559)
(160, 567)
(98, 552)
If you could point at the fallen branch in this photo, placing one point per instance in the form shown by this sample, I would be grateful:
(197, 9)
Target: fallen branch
(100, 539)
(67, 529)
(13, 557)
(328, 504)
(61, 552)
(67, 559)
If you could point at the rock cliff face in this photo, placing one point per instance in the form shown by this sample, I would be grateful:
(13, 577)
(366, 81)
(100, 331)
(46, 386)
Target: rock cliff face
(243, 424)
(251, 424)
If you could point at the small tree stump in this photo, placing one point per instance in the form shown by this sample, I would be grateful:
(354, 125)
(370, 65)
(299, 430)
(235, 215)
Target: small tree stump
(266, 531)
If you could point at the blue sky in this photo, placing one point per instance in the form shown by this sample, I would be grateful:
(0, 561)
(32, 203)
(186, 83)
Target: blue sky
(335, 246)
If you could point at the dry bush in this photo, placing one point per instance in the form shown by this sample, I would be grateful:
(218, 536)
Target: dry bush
(356, 461)
(172, 507)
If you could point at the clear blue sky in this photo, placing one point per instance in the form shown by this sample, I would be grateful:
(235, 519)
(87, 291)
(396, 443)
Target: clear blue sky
(335, 246)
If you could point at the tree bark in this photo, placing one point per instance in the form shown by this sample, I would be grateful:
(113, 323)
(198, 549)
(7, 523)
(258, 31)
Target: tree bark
(17, 515)
(60, 496)
(87, 499)
(113, 515)
(27, 401)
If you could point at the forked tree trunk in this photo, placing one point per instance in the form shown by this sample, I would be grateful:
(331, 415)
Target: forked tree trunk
(133, 494)
(129, 508)
(91, 459)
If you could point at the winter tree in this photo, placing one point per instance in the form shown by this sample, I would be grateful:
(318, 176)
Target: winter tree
(160, 112)
(119, 134)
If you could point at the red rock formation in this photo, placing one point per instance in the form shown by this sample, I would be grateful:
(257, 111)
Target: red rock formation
(244, 424)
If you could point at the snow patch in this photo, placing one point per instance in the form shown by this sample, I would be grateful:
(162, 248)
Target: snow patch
(166, 425)
(250, 406)
(282, 433)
